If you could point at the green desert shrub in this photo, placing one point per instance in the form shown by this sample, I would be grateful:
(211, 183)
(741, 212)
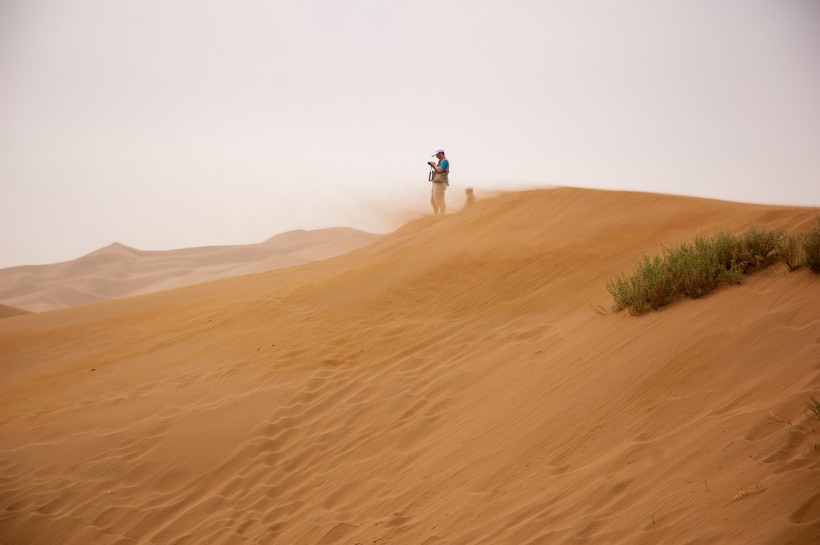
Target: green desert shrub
(626, 294)
(813, 407)
(811, 248)
(694, 269)
(655, 282)
(791, 251)
(758, 247)
(650, 285)
(728, 251)
(733, 275)
(726, 248)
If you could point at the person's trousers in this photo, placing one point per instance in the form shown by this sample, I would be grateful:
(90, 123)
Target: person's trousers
(437, 197)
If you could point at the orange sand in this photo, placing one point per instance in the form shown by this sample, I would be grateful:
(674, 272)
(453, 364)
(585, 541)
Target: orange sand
(461, 381)
(118, 271)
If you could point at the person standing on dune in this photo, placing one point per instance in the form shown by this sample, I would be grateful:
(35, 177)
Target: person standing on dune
(439, 176)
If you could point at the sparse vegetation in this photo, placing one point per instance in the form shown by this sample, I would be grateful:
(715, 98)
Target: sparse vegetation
(694, 269)
(811, 248)
(791, 251)
(760, 247)
(813, 408)
(651, 285)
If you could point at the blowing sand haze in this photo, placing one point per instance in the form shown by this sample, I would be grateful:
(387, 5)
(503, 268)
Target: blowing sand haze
(451, 383)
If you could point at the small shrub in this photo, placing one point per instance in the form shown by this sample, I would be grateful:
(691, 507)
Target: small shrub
(650, 285)
(791, 251)
(694, 268)
(759, 247)
(811, 248)
(733, 275)
(813, 408)
(655, 282)
(727, 250)
(626, 294)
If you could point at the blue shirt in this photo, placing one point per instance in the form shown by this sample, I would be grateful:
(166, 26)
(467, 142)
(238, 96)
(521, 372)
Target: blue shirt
(444, 164)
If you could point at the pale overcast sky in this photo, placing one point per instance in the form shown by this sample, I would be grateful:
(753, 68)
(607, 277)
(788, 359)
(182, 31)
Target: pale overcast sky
(164, 124)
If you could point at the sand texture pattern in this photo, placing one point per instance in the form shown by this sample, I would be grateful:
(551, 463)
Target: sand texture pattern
(118, 271)
(459, 381)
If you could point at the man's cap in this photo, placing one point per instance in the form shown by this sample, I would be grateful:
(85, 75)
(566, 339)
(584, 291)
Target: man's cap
(438, 150)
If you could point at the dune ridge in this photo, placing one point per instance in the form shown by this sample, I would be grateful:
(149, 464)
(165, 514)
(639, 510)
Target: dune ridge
(462, 381)
(117, 270)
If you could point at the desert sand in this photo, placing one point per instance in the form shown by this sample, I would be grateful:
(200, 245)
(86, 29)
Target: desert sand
(6, 311)
(118, 271)
(459, 381)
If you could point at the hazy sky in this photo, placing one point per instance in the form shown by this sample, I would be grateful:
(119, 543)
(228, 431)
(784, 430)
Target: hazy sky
(167, 123)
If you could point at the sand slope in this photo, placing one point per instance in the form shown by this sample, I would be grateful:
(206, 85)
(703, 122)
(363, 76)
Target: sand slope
(451, 383)
(120, 271)
(6, 311)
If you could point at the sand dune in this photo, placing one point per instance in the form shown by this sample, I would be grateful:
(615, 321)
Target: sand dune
(6, 311)
(118, 271)
(461, 381)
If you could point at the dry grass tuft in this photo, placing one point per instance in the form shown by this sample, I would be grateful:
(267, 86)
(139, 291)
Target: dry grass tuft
(749, 490)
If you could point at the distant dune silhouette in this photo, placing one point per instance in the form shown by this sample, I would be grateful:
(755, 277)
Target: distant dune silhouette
(6, 311)
(120, 271)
